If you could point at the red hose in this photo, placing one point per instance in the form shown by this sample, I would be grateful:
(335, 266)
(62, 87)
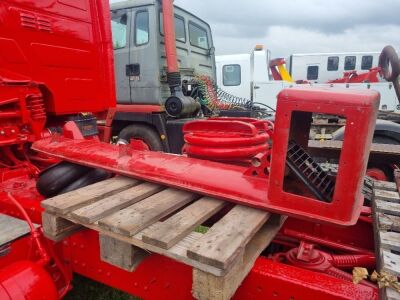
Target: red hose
(35, 234)
(45, 258)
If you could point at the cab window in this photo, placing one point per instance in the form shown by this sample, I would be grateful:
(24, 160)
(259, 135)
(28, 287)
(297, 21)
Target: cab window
(198, 36)
(180, 32)
(349, 63)
(231, 75)
(119, 29)
(333, 63)
(312, 72)
(142, 28)
(366, 62)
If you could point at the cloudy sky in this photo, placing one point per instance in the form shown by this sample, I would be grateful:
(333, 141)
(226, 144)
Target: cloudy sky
(299, 26)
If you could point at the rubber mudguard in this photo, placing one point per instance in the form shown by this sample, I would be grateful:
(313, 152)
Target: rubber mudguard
(93, 176)
(57, 177)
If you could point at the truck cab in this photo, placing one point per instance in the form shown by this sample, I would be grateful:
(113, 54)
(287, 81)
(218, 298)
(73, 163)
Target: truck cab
(139, 54)
(141, 70)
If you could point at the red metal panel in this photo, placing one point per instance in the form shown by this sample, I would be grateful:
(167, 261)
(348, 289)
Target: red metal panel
(63, 45)
(360, 109)
(173, 280)
(27, 280)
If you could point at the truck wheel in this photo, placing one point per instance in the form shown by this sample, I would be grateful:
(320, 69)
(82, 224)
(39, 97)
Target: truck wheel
(396, 86)
(389, 62)
(141, 132)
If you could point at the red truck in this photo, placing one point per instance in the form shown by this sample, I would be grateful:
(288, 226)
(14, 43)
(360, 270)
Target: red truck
(56, 65)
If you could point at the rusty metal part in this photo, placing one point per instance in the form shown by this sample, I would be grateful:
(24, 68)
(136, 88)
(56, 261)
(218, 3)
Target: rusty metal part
(331, 149)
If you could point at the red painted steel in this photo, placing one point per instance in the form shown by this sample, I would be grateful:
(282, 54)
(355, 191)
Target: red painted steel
(360, 110)
(64, 47)
(26, 280)
(377, 174)
(138, 108)
(267, 279)
(209, 178)
(169, 36)
(354, 77)
(307, 257)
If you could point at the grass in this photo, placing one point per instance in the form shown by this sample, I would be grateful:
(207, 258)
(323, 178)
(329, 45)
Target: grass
(86, 289)
(201, 229)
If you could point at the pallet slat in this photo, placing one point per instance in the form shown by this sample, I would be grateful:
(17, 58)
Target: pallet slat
(70, 201)
(108, 205)
(390, 196)
(390, 240)
(168, 233)
(391, 262)
(388, 222)
(388, 207)
(223, 241)
(385, 185)
(138, 216)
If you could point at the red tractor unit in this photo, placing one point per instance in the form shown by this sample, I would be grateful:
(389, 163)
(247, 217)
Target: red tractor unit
(246, 212)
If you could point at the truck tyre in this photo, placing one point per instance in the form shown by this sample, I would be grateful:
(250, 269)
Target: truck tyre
(52, 180)
(141, 132)
(396, 86)
(389, 62)
(93, 176)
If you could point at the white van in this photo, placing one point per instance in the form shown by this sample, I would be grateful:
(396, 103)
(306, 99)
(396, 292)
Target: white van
(322, 67)
(249, 76)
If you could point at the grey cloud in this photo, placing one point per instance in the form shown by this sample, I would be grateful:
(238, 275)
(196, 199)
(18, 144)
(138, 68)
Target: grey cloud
(295, 26)
(325, 16)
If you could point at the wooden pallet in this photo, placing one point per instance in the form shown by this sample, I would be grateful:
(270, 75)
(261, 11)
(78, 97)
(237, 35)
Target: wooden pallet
(386, 208)
(134, 217)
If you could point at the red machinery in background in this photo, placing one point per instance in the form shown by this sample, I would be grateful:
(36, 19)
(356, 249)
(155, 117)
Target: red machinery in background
(57, 64)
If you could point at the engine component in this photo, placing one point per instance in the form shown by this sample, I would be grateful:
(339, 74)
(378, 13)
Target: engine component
(307, 257)
(179, 105)
(22, 111)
